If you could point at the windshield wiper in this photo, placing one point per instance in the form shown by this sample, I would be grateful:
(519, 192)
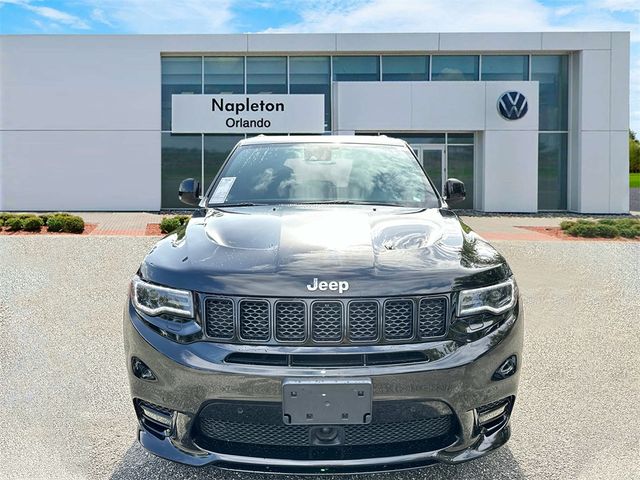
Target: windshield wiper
(238, 204)
(351, 202)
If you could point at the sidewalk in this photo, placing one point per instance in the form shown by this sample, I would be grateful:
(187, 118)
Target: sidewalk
(506, 228)
(491, 228)
(120, 223)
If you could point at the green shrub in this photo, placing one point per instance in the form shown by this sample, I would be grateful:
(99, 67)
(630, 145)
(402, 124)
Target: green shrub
(629, 232)
(582, 229)
(32, 224)
(44, 217)
(183, 218)
(1, 223)
(169, 224)
(608, 221)
(65, 222)
(606, 230)
(566, 224)
(72, 224)
(55, 223)
(14, 224)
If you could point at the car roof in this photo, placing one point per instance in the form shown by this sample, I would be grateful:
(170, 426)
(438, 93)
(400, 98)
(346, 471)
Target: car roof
(361, 139)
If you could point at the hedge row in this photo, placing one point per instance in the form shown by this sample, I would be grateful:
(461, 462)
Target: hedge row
(30, 222)
(606, 228)
(170, 224)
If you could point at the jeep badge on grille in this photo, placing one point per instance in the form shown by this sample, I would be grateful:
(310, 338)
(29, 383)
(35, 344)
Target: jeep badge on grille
(341, 286)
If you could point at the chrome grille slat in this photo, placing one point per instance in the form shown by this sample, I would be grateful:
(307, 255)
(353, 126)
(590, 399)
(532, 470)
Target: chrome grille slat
(319, 321)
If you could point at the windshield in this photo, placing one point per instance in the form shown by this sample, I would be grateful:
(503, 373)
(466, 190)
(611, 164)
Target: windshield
(323, 173)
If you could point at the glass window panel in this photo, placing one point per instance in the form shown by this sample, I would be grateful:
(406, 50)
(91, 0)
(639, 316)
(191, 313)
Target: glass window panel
(454, 67)
(432, 162)
(419, 138)
(266, 74)
(460, 166)
(181, 158)
(552, 171)
(179, 75)
(552, 71)
(460, 138)
(223, 75)
(216, 150)
(356, 68)
(505, 67)
(405, 67)
(312, 75)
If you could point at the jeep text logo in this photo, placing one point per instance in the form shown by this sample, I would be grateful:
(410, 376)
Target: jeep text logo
(323, 286)
(512, 105)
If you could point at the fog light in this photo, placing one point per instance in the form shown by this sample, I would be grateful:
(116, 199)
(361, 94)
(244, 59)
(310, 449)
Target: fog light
(155, 415)
(507, 369)
(486, 417)
(141, 370)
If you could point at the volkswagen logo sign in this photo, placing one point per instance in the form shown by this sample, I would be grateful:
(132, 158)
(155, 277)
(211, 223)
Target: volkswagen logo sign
(512, 105)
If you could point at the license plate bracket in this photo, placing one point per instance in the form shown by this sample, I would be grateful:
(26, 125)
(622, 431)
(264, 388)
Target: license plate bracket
(326, 401)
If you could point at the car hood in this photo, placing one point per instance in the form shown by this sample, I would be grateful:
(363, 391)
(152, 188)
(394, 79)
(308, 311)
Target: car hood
(278, 251)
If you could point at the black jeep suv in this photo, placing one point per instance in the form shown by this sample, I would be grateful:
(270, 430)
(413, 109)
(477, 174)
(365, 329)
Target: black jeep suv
(322, 311)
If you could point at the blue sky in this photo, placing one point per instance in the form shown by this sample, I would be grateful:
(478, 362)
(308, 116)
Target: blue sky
(230, 16)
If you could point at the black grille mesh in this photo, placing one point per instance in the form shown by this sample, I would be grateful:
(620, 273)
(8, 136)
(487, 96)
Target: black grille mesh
(326, 321)
(398, 319)
(263, 426)
(363, 321)
(255, 432)
(397, 432)
(432, 317)
(307, 321)
(254, 319)
(219, 318)
(290, 321)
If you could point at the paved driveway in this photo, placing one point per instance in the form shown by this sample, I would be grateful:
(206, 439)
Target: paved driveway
(66, 411)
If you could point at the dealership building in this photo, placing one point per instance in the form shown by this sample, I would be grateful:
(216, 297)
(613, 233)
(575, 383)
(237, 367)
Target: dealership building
(529, 121)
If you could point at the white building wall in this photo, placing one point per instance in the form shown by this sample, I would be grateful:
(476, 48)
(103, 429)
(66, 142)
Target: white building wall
(80, 123)
(601, 123)
(86, 109)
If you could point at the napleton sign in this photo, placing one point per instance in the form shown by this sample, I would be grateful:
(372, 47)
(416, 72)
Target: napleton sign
(247, 114)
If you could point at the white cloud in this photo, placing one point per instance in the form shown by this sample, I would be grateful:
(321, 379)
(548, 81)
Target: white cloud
(476, 16)
(177, 16)
(420, 16)
(54, 16)
(99, 16)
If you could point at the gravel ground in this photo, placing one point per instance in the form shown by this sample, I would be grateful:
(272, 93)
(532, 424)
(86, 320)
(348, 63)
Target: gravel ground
(65, 400)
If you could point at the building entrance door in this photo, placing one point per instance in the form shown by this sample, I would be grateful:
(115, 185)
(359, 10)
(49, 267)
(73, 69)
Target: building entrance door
(433, 160)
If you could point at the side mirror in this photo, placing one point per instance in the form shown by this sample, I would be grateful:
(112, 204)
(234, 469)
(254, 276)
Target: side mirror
(454, 191)
(189, 191)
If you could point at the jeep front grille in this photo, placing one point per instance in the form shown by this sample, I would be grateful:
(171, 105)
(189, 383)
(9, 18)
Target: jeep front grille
(320, 321)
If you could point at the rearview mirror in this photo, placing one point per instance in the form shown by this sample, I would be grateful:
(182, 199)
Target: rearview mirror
(189, 191)
(454, 191)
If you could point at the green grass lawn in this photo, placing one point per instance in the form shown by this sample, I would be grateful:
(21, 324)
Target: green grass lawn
(634, 180)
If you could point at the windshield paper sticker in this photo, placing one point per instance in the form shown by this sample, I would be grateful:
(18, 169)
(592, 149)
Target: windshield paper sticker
(222, 190)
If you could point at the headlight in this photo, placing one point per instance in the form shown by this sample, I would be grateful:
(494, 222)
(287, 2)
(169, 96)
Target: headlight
(494, 299)
(154, 299)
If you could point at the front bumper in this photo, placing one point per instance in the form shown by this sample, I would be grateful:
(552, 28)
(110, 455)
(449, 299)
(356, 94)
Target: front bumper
(189, 376)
